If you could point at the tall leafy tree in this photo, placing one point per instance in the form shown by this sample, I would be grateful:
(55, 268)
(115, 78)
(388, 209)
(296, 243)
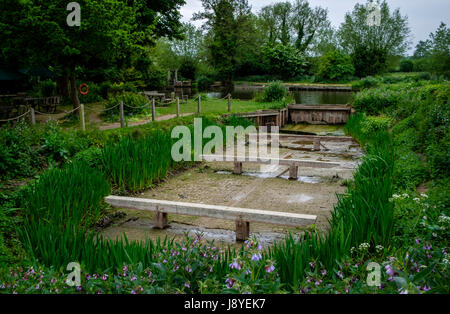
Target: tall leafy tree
(110, 31)
(225, 23)
(308, 23)
(282, 12)
(370, 44)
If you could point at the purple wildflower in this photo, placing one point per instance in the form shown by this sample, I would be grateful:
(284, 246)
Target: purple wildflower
(270, 268)
(256, 257)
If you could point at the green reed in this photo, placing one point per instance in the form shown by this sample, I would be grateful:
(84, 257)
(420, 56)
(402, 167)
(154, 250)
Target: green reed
(362, 215)
(134, 164)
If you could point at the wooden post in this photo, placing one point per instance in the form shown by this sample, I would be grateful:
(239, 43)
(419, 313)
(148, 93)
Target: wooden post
(317, 145)
(229, 102)
(242, 230)
(178, 107)
(153, 109)
(293, 172)
(199, 103)
(33, 116)
(122, 115)
(237, 167)
(172, 96)
(83, 125)
(160, 220)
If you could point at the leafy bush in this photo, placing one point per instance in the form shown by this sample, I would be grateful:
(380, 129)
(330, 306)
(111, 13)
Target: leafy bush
(374, 101)
(366, 82)
(133, 104)
(274, 91)
(94, 95)
(406, 65)
(47, 88)
(335, 65)
(372, 125)
(92, 157)
(19, 153)
(204, 82)
(369, 61)
(285, 61)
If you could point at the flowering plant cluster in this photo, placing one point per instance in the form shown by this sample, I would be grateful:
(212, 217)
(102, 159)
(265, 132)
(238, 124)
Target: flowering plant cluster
(190, 266)
(252, 271)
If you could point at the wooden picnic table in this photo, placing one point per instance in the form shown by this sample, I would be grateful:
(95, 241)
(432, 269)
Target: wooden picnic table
(46, 104)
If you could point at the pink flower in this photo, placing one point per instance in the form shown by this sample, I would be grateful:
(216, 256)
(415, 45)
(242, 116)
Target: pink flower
(270, 268)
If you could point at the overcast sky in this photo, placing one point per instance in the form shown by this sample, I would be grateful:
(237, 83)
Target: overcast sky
(424, 15)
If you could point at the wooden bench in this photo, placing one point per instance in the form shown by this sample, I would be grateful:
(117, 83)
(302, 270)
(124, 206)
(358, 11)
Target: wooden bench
(242, 216)
(316, 139)
(155, 95)
(293, 164)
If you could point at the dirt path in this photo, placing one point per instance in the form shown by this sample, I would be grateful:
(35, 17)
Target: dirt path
(93, 118)
(142, 122)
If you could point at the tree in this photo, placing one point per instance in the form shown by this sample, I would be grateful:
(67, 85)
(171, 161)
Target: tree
(370, 45)
(284, 60)
(189, 46)
(282, 12)
(308, 24)
(406, 65)
(335, 65)
(440, 53)
(423, 49)
(111, 31)
(295, 24)
(225, 22)
(433, 54)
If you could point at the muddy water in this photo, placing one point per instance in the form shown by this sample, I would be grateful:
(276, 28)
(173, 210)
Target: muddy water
(260, 187)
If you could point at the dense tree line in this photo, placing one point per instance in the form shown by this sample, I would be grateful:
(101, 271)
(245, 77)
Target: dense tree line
(133, 44)
(293, 40)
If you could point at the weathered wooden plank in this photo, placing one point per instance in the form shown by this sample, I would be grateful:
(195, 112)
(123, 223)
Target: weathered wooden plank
(212, 211)
(304, 137)
(320, 107)
(268, 160)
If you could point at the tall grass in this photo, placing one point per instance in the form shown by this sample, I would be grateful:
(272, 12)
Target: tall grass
(135, 163)
(363, 215)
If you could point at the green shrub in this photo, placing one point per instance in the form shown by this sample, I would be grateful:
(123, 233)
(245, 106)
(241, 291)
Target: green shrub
(284, 60)
(19, 153)
(375, 101)
(406, 65)
(133, 104)
(366, 82)
(94, 94)
(274, 91)
(47, 88)
(92, 157)
(375, 124)
(204, 82)
(335, 66)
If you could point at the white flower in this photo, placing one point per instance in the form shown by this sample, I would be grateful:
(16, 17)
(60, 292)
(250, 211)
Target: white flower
(424, 195)
(364, 246)
(379, 248)
(416, 199)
